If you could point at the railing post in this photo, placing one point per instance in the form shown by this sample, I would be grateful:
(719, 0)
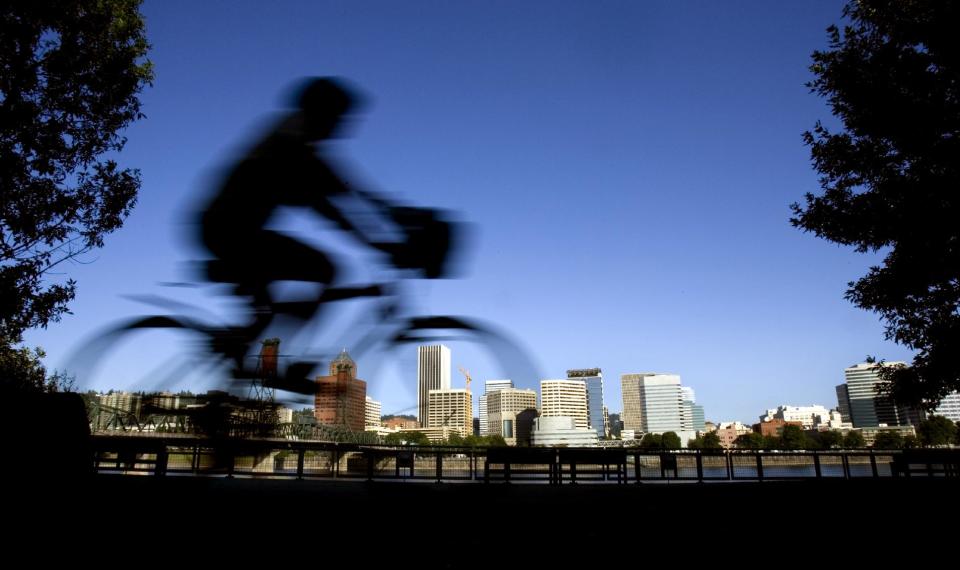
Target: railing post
(300, 454)
(729, 462)
(816, 464)
(873, 465)
(439, 467)
(336, 461)
(759, 466)
(699, 466)
(846, 465)
(370, 459)
(506, 471)
(160, 469)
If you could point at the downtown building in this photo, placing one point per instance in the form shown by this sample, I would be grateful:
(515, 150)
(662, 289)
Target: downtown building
(510, 414)
(341, 396)
(565, 398)
(372, 415)
(949, 407)
(654, 403)
(808, 417)
(489, 387)
(694, 417)
(593, 380)
(861, 402)
(433, 373)
(451, 409)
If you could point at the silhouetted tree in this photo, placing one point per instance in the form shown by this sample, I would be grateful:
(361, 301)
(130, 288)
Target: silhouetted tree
(670, 440)
(70, 72)
(890, 177)
(830, 439)
(22, 371)
(793, 437)
(936, 430)
(854, 440)
(708, 440)
(751, 440)
(888, 440)
(651, 441)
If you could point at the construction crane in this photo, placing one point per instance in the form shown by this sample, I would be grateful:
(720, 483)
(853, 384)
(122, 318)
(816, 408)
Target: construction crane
(466, 374)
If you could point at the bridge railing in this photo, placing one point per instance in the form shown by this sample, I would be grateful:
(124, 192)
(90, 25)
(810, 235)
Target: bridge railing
(184, 456)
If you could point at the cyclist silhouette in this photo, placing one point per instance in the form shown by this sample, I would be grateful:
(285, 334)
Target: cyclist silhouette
(287, 169)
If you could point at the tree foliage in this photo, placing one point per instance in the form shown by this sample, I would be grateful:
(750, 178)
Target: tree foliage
(890, 177)
(854, 440)
(792, 437)
(22, 371)
(936, 430)
(708, 440)
(888, 439)
(651, 441)
(830, 439)
(670, 440)
(70, 73)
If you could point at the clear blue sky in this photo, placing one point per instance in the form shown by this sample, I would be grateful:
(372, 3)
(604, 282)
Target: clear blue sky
(628, 167)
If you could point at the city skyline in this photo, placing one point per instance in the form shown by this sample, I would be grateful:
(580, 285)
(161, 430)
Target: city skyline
(629, 184)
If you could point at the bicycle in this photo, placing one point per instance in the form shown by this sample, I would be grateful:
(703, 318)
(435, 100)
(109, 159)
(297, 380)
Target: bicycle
(390, 329)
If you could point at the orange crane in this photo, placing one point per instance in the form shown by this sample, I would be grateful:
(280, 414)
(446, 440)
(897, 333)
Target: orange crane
(466, 375)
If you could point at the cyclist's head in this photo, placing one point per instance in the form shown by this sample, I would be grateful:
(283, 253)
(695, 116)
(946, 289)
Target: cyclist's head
(324, 101)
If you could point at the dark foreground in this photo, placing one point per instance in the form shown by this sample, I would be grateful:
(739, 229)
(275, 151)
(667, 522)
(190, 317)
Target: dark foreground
(469, 525)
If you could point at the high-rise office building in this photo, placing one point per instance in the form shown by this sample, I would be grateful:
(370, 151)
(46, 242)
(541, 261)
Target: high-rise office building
(490, 386)
(433, 373)
(869, 408)
(341, 396)
(503, 408)
(593, 379)
(653, 403)
(694, 418)
(372, 414)
(451, 408)
(564, 398)
(949, 407)
(843, 403)
(632, 416)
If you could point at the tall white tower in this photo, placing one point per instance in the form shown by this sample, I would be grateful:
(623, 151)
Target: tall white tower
(433, 373)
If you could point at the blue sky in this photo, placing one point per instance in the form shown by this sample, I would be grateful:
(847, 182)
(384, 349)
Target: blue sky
(627, 168)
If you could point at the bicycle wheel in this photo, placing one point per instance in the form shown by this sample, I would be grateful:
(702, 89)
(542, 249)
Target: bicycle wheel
(145, 354)
(471, 338)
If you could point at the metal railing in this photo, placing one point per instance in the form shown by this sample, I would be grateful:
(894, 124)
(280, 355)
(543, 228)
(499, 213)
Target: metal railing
(167, 456)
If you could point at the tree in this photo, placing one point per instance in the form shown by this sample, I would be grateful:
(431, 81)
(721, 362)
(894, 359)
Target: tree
(888, 440)
(890, 177)
(936, 430)
(670, 440)
(651, 441)
(70, 73)
(708, 440)
(22, 371)
(793, 437)
(751, 440)
(854, 440)
(830, 439)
